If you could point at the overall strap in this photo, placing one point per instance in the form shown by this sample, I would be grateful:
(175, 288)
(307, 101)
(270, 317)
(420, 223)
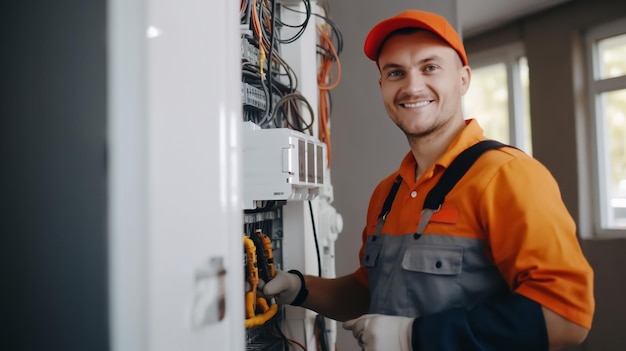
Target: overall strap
(388, 202)
(390, 197)
(450, 177)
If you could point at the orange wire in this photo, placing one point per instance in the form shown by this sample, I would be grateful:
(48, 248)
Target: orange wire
(257, 28)
(324, 88)
(297, 343)
(256, 25)
(327, 44)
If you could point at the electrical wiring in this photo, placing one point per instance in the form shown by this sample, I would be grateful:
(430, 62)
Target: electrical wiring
(276, 332)
(329, 55)
(259, 264)
(327, 61)
(324, 87)
(302, 26)
(271, 51)
(258, 253)
(268, 312)
(320, 333)
(286, 111)
(244, 12)
(266, 244)
(319, 325)
(317, 247)
(335, 29)
(252, 275)
(252, 76)
(294, 342)
(294, 111)
(289, 72)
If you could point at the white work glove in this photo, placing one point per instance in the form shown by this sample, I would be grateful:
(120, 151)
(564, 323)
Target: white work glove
(377, 332)
(286, 287)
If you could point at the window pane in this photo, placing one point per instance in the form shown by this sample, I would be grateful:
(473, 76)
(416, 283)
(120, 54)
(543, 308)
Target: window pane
(524, 79)
(487, 101)
(612, 52)
(613, 105)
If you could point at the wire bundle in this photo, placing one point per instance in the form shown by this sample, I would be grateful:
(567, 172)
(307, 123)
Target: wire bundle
(283, 103)
(329, 55)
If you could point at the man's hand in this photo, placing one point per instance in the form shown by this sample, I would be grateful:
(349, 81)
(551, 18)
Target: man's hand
(376, 332)
(285, 286)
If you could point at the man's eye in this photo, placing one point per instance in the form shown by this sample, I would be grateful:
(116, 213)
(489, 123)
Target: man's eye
(430, 68)
(394, 73)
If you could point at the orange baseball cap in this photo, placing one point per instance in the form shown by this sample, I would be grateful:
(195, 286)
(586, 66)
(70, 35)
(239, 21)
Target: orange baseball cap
(413, 19)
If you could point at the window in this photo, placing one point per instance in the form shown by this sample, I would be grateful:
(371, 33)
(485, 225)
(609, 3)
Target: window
(498, 95)
(606, 48)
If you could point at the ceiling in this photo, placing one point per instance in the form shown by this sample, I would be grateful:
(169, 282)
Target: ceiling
(479, 15)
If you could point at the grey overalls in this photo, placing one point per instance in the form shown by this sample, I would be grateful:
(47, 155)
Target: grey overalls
(413, 274)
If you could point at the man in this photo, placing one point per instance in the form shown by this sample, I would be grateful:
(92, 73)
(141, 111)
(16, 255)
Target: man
(496, 267)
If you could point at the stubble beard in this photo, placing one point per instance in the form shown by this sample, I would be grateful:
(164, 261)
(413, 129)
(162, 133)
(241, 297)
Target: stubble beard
(421, 134)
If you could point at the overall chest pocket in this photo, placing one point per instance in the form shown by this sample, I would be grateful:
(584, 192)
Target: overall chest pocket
(432, 275)
(371, 254)
(440, 260)
(373, 262)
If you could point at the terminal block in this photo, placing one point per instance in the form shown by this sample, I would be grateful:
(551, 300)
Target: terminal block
(252, 96)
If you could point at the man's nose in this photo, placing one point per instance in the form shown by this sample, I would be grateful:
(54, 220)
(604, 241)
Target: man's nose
(414, 82)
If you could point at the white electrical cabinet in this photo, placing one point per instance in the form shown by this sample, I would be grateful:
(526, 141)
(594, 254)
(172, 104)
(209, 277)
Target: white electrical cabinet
(175, 213)
(185, 167)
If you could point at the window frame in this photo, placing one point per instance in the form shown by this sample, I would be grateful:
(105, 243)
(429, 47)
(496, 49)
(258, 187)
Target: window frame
(509, 55)
(595, 88)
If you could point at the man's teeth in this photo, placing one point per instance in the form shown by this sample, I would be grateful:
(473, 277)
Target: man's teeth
(416, 104)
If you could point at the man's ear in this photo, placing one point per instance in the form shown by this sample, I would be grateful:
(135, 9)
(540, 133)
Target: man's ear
(379, 82)
(466, 77)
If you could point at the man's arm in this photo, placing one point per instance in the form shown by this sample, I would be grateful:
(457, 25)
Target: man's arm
(340, 299)
(562, 332)
(512, 323)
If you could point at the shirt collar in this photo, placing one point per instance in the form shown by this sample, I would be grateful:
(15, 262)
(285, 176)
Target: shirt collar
(470, 135)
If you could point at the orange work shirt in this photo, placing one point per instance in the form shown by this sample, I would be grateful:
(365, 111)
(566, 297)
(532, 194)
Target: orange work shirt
(511, 202)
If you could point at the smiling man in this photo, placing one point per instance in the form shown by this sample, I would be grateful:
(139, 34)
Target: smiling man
(495, 266)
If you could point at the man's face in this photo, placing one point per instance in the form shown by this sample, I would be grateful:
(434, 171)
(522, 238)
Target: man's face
(422, 81)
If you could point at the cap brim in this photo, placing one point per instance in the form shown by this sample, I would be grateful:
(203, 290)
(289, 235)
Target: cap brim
(381, 31)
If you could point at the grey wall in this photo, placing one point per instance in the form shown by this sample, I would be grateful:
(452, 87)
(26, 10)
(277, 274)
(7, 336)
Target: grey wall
(366, 145)
(52, 175)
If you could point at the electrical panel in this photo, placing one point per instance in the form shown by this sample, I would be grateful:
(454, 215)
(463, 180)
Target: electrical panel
(285, 148)
(263, 234)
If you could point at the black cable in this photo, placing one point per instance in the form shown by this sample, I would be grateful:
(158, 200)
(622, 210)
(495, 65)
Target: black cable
(334, 27)
(317, 247)
(319, 324)
(302, 25)
(296, 97)
(282, 336)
